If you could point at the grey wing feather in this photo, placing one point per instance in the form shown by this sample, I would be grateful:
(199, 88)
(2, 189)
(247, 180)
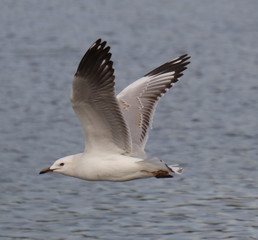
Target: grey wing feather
(93, 100)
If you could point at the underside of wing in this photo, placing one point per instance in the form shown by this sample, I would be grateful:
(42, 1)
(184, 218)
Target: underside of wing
(138, 100)
(93, 100)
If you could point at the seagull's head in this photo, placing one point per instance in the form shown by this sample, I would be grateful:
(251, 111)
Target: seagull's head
(63, 165)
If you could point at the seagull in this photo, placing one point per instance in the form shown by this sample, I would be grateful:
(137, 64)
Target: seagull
(116, 126)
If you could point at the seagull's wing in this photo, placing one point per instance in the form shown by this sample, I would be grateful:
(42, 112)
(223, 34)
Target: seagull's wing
(138, 101)
(93, 100)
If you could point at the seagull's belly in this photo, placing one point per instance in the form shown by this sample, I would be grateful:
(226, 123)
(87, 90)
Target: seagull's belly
(112, 168)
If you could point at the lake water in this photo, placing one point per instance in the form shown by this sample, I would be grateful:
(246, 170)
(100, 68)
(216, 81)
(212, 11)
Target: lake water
(208, 122)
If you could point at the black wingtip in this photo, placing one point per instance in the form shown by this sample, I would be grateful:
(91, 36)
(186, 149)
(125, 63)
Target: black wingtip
(98, 50)
(98, 43)
(177, 64)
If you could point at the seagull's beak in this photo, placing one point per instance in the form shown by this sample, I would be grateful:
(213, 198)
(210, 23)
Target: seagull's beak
(45, 170)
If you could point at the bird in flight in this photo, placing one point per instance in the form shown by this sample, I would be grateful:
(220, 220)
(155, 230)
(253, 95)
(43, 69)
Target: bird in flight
(116, 126)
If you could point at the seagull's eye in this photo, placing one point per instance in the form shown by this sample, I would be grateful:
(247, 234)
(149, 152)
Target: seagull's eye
(61, 164)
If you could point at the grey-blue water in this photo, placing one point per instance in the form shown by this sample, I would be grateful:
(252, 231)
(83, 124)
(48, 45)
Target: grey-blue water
(208, 122)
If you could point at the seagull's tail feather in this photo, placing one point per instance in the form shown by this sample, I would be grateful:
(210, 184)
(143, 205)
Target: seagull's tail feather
(176, 169)
(159, 168)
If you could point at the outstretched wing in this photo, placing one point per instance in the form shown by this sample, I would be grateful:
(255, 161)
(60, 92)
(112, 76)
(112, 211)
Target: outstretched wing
(138, 101)
(93, 100)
